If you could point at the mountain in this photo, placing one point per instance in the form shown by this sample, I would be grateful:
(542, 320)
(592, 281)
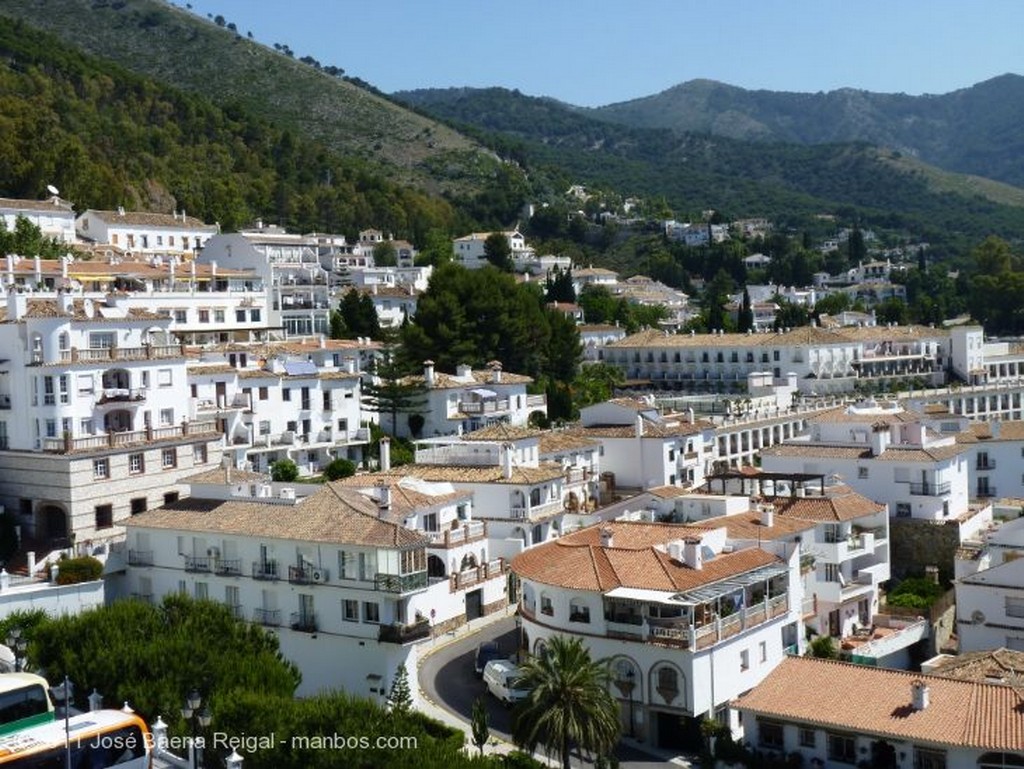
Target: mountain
(175, 47)
(694, 170)
(977, 130)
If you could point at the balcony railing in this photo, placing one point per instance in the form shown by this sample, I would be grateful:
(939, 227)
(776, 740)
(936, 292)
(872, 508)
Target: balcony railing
(986, 491)
(398, 633)
(984, 463)
(304, 621)
(231, 567)
(400, 583)
(469, 577)
(121, 395)
(483, 407)
(930, 489)
(268, 617)
(68, 445)
(197, 563)
(468, 532)
(265, 570)
(140, 557)
(306, 575)
(149, 352)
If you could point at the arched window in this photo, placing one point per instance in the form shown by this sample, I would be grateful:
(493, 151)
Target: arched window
(668, 682)
(546, 606)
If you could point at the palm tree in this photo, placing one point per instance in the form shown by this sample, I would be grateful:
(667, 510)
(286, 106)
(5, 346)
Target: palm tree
(569, 702)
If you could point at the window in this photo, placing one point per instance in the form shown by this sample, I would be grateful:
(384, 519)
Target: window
(745, 660)
(100, 468)
(264, 393)
(769, 734)
(218, 316)
(180, 316)
(346, 565)
(763, 651)
(842, 748)
(138, 505)
(62, 388)
(808, 738)
(104, 516)
(367, 566)
(136, 464)
(264, 427)
(101, 340)
(862, 472)
(578, 612)
(164, 378)
(254, 316)
(546, 607)
(48, 396)
(831, 572)
(51, 428)
(202, 591)
(166, 417)
(170, 497)
(85, 384)
(775, 355)
(240, 316)
(327, 400)
(930, 759)
(371, 612)
(204, 316)
(286, 394)
(903, 510)
(199, 456)
(1014, 607)
(169, 458)
(350, 610)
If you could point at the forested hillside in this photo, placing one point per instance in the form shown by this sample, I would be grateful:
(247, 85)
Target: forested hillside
(107, 137)
(692, 171)
(221, 62)
(977, 130)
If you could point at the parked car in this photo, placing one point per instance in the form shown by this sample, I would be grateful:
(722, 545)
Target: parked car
(503, 680)
(485, 652)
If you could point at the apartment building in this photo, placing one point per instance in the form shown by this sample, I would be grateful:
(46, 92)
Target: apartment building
(94, 417)
(146, 234)
(688, 619)
(468, 250)
(55, 217)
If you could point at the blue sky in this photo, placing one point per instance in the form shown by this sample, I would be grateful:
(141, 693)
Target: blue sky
(594, 53)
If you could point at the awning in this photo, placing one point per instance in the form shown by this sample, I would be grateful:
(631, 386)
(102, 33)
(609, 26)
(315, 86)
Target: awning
(300, 368)
(733, 584)
(480, 391)
(639, 594)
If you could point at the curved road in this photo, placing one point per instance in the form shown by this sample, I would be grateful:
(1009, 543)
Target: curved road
(448, 679)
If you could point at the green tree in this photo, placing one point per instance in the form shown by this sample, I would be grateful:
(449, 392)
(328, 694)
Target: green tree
(824, 648)
(746, 316)
(598, 304)
(790, 314)
(498, 251)
(716, 295)
(399, 696)
(339, 468)
(385, 254)
(359, 315)
(479, 724)
(390, 391)
(559, 287)
(338, 330)
(595, 383)
(564, 350)
(569, 703)
(437, 249)
(284, 471)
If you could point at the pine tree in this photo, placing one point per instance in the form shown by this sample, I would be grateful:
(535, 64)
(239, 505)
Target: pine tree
(389, 392)
(479, 725)
(746, 319)
(399, 696)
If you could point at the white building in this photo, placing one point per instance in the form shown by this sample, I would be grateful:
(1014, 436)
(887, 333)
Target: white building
(54, 217)
(468, 250)
(343, 586)
(834, 714)
(468, 400)
(990, 591)
(94, 418)
(688, 619)
(144, 233)
(594, 337)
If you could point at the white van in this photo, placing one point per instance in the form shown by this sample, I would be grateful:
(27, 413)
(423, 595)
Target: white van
(502, 677)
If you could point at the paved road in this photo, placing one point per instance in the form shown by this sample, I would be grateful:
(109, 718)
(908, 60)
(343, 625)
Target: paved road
(448, 679)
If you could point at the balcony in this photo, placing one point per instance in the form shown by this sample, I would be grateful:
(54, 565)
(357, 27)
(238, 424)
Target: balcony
(534, 512)
(121, 395)
(930, 489)
(400, 583)
(469, 577)
(986, 491)
(5, 401)
(266, 570)
(267, 617)
(468, 532)
(483, 407)
(231, 567)
(140, 557)
(304, 622)
(536, 401)
(69, 445)
(398, 633)
(307, 575)
(984, 463)
(148, 352)
(197, 563)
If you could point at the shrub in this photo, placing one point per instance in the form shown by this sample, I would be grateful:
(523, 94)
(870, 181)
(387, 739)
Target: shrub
(824, 648)
(284, 471)
(917, 593)
(340, 468)
(75, 570)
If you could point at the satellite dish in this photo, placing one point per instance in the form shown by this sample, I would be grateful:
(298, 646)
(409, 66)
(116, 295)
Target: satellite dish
(52, 190)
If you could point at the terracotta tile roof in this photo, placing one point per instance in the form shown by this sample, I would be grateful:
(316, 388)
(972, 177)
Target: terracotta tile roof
(332, 515)
(291, 346)
(561, 440)
(651, 430)
(444, 381)
(990, 666)
(748, 526)
(977, 432)
(669, 492)
(802, 336)
(502, 431)
(600, 328)
(406, 500)
(222, 475)
(847, 506)
(844, 414)
(51, 308)
(216, 368)
(892, 454)
(35, 205)
(877, 701)
(148, 219)
(579, 561)
(546, 471)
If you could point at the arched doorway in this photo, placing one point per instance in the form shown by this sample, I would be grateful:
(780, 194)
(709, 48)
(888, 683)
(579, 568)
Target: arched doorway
(435, 567)
(51, 523)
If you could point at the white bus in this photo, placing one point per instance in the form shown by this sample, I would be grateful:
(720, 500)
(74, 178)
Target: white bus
(95, 740)
(24, 701)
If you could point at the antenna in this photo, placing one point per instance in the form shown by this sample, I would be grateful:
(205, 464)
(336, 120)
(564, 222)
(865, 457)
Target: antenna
(52, 190)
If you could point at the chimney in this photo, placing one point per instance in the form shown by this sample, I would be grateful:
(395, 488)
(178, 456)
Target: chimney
(767, 515)
(17, 304)
(993, 427)
(496, 371)
(120, 210)
(506, 461)
(37, 267)
(383, 499)
(919, 694)
(213, 269)
(639, 426)
(428, 373)
(689, 415)
(64, 267)
(350, 365)
(323, 342)
(67, 302)
(693, 556)
(464, 371)
(880, 438)
(606, 538)
(932, 573)
(385, 454)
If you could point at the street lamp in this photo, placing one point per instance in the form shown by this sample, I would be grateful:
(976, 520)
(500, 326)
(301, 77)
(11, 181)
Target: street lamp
(198, 719)
(519, 637)
(18, 644)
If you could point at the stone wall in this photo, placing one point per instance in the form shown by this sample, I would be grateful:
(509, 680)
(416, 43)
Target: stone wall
(915, 544)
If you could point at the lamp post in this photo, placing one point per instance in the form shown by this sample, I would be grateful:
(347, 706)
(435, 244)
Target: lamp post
(630, 684)
(519, 637)
(18, 645)
(198, 719)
